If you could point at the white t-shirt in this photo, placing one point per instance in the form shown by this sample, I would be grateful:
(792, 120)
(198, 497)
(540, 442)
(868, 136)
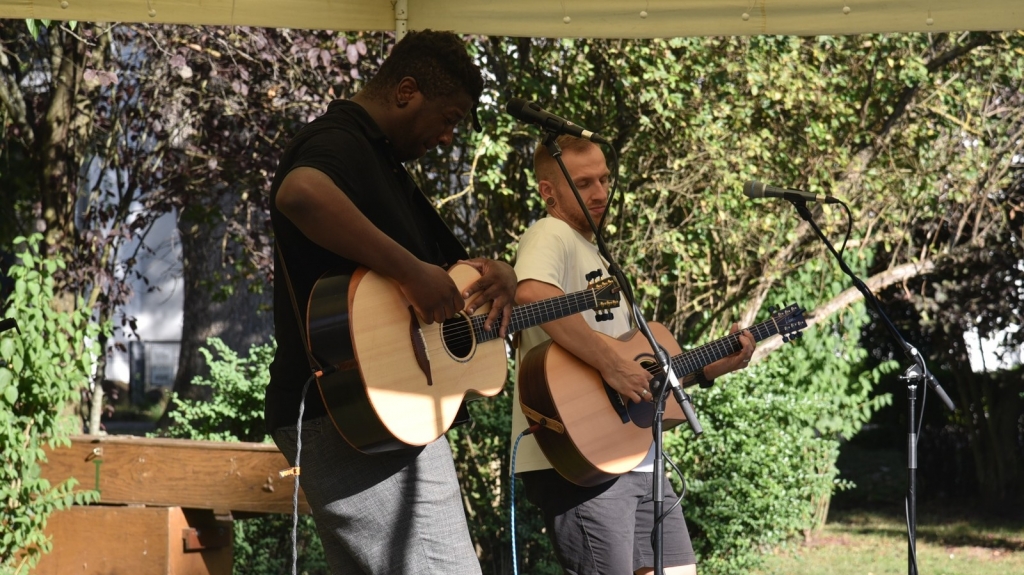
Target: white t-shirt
(552, 252)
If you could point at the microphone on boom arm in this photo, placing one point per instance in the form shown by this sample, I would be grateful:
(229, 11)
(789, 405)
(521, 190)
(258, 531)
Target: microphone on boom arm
(754, 190)
(532, 113)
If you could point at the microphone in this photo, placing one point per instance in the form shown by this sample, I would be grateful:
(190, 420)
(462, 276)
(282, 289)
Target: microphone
(532, 113)
(754, 189)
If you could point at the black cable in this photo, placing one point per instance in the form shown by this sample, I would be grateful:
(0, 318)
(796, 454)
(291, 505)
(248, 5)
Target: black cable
(612, 189)
(910, 537)
(679, 500)
(849, 227)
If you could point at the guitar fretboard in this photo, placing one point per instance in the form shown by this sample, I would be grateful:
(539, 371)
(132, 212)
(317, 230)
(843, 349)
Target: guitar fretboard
(536, 313)
(696, 359)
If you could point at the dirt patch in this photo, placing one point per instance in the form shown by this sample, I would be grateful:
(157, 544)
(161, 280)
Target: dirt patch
(826, 540)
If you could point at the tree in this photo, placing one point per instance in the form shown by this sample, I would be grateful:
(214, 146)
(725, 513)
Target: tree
(80, 167)
(112, 127)
(237, 96)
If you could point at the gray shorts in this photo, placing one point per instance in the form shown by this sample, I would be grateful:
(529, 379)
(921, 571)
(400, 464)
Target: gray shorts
(606, 529)
(389, 513)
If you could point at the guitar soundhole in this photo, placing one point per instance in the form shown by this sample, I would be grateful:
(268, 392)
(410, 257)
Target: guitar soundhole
(457, 334)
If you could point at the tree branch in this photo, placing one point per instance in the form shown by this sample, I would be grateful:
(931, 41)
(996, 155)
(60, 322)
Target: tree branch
(849, 297)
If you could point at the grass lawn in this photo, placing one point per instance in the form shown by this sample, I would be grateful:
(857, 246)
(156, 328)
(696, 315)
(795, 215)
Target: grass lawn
(856, 542)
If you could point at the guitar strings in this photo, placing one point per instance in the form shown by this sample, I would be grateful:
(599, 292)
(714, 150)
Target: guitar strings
(465, 331)
(468, 330)
(718, 349)
(730, 344)
(687, 363)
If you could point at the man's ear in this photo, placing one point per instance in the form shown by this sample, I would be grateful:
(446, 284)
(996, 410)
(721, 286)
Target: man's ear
(547, 192)
(407, 91)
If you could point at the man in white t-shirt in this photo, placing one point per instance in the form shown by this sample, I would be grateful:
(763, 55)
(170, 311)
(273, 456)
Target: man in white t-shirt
(604, 529)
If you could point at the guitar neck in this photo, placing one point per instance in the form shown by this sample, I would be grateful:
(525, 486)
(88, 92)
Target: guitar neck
(696, 359)
(538, 312)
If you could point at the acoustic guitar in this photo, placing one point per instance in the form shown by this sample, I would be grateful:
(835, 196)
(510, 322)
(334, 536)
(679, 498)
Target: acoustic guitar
(589, 433)
(399, 382)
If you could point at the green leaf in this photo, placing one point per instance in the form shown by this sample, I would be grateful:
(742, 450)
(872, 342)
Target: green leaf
(11, 394)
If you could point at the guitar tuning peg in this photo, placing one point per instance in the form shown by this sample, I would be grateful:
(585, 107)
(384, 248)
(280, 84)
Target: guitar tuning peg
(786, 337)
(771, 309)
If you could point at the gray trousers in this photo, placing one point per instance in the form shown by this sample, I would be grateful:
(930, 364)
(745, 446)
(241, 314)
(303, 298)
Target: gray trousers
(392, 513)
(606, 529)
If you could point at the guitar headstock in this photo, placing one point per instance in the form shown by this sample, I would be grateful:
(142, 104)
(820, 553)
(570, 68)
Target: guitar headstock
(789, 320)
(606, 293)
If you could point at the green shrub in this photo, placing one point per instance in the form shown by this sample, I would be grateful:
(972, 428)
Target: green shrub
(45, 368)
(755, 476)
(765, 469)
(235, 413)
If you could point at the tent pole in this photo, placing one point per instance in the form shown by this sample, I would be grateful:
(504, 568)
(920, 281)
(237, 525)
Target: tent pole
(401, 19)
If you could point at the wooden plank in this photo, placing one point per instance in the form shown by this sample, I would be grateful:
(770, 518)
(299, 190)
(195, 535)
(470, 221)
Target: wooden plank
(219, 476)
(105, 540)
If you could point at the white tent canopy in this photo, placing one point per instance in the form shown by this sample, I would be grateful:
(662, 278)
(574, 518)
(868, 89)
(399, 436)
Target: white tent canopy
(552, 18)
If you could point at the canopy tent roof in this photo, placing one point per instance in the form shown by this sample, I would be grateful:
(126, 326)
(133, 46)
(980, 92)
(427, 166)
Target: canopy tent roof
(551, 18)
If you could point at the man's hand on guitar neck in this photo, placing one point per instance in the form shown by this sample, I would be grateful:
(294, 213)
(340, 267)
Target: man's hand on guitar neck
(497, 286)
(736, 361)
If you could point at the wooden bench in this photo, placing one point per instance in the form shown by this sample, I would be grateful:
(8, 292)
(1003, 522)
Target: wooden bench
(166, 505)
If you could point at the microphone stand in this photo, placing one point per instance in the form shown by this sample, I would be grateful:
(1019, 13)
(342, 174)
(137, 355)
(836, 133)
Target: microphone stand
(914, 374)
(660, 384)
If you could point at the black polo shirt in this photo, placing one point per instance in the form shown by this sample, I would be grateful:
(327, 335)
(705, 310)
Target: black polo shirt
(347, 145)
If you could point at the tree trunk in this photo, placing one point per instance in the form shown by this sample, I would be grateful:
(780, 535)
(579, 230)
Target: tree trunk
(217, 301)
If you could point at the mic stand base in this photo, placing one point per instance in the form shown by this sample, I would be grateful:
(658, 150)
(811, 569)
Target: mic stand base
(912, 376)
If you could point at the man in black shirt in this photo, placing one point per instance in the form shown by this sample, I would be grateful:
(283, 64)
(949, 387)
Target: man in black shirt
(342, 199)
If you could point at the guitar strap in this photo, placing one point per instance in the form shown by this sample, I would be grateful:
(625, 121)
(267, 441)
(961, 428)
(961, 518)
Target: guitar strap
(314, 365)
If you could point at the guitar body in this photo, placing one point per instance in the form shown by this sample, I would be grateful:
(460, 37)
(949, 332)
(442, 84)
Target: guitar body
(401, 381)
(597, 443)
(588, 434)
